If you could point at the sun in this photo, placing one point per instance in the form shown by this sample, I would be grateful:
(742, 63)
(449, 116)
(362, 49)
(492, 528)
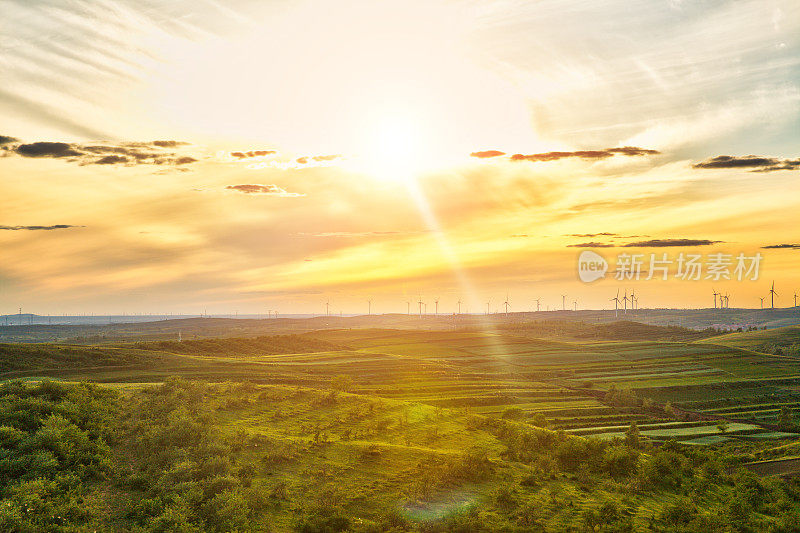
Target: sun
(395, 148)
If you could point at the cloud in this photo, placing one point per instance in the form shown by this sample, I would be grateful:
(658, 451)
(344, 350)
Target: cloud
(111, 160)
(487, 153)
(47, 149)
(662, 243)
(271, 190)
(585, 235)
(585, 154)
(591, 245)
(37, 228)
(252, 153)
(781, 247)
(317, 158)
(169, 144)
(128, 154)
(755, 162)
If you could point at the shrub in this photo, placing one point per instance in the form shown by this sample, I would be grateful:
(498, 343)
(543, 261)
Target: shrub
(620, 461)
(512, 413)
(679, 513)
(342, 383)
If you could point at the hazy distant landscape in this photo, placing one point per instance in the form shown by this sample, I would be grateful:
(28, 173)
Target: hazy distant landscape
(105, 328)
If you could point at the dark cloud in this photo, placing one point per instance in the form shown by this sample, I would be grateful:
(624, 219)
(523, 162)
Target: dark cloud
(662, 243)
(754, 162)
(168, 144)
(47, 149)
(591, 245)
(781, 247)
(252, 153)
(129, 154)
(487, 153)
(36, 228)
(590, 235)
(111, 160)
(255, 188)
(5, 139)
(585, 154)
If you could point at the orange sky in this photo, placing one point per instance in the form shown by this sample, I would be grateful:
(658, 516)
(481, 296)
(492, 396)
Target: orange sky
(369, 112)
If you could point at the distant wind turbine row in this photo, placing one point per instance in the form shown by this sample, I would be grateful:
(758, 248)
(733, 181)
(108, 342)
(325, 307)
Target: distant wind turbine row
(628, 302)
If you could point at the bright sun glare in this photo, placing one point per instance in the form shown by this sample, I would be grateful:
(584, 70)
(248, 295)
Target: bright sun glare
(394, 149)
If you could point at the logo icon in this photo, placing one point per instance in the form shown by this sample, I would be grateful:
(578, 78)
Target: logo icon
(591, 266)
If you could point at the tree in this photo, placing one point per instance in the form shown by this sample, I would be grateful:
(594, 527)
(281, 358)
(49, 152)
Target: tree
(632, 435)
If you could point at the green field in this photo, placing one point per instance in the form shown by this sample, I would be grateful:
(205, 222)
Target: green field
(380, 429)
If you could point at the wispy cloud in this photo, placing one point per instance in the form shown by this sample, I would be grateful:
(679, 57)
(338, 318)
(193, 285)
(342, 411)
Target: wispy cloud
(663, 243)
(589, 235)
(782, 247)
(317, 158)
(39, 228)
(755, 162)
(252, 153)
(591, 245)
(270, 190)
(487, 153)
(585, 154)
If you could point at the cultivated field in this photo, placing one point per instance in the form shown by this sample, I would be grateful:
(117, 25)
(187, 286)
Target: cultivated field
(534, 426)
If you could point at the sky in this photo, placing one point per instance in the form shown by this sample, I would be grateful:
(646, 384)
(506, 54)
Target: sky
(190, 156)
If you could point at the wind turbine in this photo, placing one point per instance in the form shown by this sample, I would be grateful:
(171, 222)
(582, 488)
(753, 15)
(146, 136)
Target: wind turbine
(537, 304)
(625, 302)
(615, 299)
(487, 306)
(727, 299)
(762, 302)
(328, 308)
(634, 300)
(715, 297)
(563, 302)
(436, 301)
(506, 304)
(420, 302)
(459, 306)
(408, 308)
(575, 305)
(369, 307)
(795, 299)
(772, 295)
